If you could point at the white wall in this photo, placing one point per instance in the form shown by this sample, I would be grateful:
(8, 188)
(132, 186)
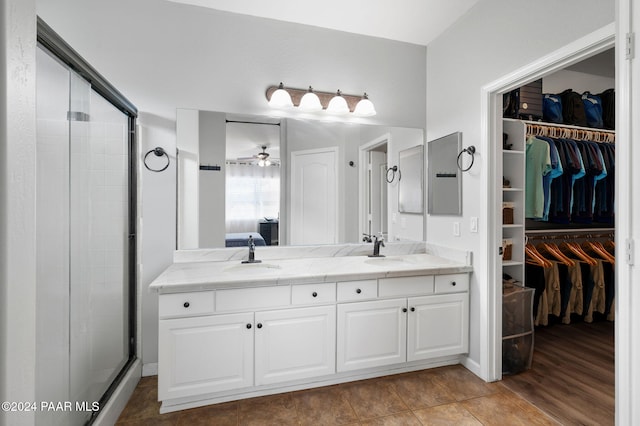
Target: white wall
(163, 56)
(17, 207)
(493, 39)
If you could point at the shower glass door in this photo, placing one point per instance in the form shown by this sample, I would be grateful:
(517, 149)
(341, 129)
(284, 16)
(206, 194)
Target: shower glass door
(83, 243)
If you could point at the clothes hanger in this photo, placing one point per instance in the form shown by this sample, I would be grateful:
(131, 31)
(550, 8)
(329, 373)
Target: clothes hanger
(536, 257)
(598, 249)
(554, 251)
(575, 249)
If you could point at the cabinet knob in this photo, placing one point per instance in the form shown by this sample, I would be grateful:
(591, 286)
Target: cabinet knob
(404, 309)
(413, 309)
(453, 283)
(314, 294)
(186, 304)
(259, 325)
(248, 325)
(358, 291)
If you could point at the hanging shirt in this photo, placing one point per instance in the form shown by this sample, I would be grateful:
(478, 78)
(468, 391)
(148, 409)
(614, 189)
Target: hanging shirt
(556, 170)
(538, 164)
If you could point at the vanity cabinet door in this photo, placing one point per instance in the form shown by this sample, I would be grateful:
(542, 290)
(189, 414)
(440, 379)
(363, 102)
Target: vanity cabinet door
(371, 334)
(295, 344)
(437, 326)
(205, 354)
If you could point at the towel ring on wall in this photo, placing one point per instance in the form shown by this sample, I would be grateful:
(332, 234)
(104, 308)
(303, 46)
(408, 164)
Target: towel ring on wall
(471, 150)
(393, 171)
(159, 152)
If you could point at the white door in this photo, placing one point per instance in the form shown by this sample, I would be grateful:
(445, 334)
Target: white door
(371, 334)
(295, 344)
(314, 196)
(205, 354)
(438, 326)
(377, 193)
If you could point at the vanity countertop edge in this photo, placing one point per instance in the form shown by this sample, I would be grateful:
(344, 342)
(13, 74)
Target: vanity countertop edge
(215, 275)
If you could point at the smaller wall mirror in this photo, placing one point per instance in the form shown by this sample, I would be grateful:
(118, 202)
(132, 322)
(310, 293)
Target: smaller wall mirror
(410, 188)
(445, 179)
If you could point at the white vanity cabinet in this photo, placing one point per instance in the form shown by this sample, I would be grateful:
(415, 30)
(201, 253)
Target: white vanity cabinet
(221, 341)
(205, 354)
(392, 331)
(295, 344)
(371, 334)
(220, 352)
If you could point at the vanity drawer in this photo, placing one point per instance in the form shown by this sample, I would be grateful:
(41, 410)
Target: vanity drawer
(357, 290)
(404, 286)
(304, 294)
(185, 304)
(452, 283)
(239, 299)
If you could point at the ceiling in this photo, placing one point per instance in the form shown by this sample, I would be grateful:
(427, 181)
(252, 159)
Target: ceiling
(410, 21)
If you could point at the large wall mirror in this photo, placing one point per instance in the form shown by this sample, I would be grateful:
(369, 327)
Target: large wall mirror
(445, 178)
(292, 181)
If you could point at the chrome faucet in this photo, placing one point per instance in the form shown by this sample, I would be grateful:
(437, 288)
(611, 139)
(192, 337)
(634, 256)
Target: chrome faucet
(377, 242)
(252, 252)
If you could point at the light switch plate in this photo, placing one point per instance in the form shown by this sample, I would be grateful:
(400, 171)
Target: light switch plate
(473, 227)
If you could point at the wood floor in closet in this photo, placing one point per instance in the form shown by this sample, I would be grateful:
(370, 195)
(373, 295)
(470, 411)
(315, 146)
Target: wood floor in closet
(573, 374)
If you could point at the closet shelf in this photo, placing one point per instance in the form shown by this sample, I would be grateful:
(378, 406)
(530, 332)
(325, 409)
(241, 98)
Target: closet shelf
(512, 151)
(512, 225)
(512, 189)
(512, 263)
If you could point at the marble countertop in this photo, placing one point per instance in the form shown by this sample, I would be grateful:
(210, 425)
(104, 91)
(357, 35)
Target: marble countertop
(197, 276)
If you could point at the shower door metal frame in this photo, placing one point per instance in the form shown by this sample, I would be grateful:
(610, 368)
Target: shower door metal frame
(56, 46)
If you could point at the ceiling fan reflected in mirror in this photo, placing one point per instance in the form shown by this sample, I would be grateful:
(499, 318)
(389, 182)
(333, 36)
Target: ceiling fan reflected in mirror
(262, 159)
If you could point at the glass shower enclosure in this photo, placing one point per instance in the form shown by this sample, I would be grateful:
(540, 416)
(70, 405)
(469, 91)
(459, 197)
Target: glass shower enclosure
(84, 182)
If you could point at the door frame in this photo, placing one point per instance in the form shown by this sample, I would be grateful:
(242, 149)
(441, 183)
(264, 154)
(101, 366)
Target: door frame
(491, 131)
(364, 149)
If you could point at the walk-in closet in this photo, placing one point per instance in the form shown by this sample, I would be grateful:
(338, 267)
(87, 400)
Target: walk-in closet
(558, 241)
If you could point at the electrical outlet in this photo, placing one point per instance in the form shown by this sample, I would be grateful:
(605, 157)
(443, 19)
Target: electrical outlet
(473, 227)
(456, 229)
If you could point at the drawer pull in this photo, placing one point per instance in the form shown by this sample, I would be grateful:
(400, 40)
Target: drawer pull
(404, 309)
(248, 326)
(358, 291)
(413, 309)
(259, 325)
(186, 304)
(453, 283)
(314, 294)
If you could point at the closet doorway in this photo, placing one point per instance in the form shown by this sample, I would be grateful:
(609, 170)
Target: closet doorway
(519, 232)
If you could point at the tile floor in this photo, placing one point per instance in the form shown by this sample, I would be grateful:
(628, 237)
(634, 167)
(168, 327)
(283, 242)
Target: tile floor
(440, 396)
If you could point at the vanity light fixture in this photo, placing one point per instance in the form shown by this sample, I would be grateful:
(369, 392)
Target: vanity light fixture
(310, 102)
(280, 98)
(313, 101)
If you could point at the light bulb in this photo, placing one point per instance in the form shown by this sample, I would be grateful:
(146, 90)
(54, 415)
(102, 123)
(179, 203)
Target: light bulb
(365, 107)
(280, 98)
(261, 163)
(338, 105)
(310, 102)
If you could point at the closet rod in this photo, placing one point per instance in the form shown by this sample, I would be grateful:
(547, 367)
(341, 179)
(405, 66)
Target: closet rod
(576, 231)
(570, 132)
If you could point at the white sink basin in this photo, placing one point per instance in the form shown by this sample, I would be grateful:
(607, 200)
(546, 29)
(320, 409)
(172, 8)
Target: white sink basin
(252, 268)
(389, 261)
